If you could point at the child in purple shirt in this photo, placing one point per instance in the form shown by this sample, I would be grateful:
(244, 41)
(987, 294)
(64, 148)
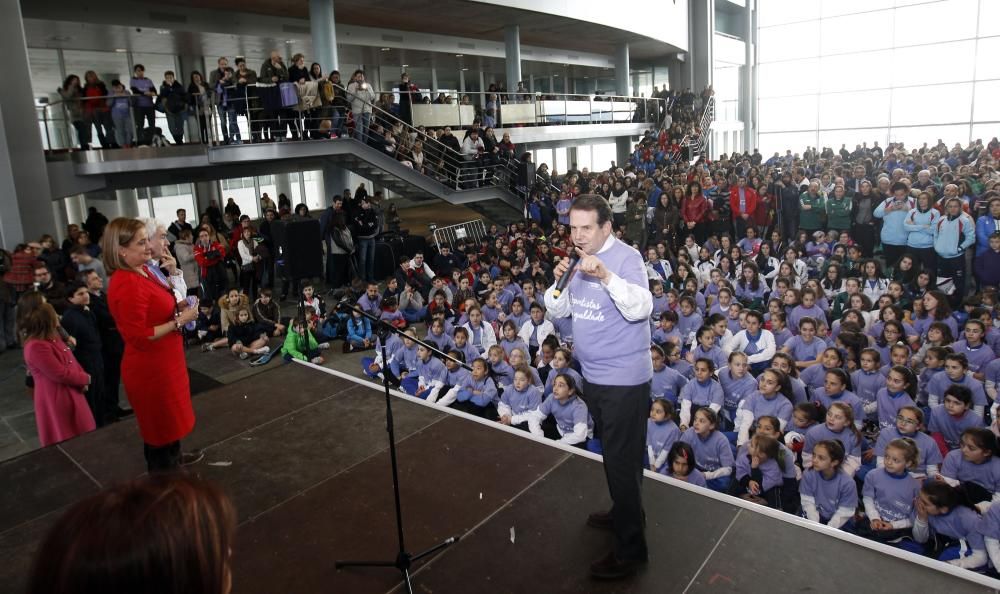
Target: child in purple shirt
(712, 453)
(951, 419)
(828, 494)
(900, 391)
(681, 465)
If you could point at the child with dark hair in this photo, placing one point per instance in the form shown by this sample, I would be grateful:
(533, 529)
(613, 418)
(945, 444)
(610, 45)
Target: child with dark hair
(942, 512)
(571, 423)
(681, 465)
(975, 466)
(759, 471)
(828, 494)
(456, 376)
(712, 452)
(951, 419)
(661, 434)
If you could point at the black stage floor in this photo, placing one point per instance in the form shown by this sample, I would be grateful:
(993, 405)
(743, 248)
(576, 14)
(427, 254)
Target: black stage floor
(304, 456)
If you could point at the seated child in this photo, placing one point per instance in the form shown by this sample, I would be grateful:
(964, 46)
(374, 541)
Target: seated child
(681, 466)
(661, 434)
(889, 492)
(359, 333)
(572, 422)
(519, 399)
(268, 314)
(245, 337)
(713, 454)
(667, 382)
(759, 470)
(942, 512)
(477, 395)
(976, 467)
(828, 494)
(501, 370)
(456, 376)
(301, 344)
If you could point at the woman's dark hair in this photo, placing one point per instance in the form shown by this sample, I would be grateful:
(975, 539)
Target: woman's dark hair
(943, 309)
(168, 534)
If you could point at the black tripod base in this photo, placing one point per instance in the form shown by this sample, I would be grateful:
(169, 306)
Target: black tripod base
(403, 562)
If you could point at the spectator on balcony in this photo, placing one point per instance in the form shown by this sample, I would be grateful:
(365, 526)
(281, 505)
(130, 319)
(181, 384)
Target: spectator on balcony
(506, 147)
(226, 98)
(409, 94)
(71, 96)
(175, 103)
(361, 95)
(273, 72)
(95, 109)
(245, 96)
(472, 155)
(201, 97)
(144, 92)
(340, 105)
(120, 104)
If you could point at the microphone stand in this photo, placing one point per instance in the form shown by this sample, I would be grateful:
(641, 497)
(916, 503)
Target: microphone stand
(404, 559)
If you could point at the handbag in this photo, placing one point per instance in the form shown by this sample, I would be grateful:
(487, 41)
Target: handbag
(289, 94)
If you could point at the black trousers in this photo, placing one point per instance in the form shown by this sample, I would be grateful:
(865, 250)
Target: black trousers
(892, 254)
(864, 236)
(162, 458)
(620, 414)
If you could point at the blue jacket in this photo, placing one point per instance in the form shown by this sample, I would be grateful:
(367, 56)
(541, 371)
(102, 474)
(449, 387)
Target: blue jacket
(985, 226)
(359, 329)
(953, 237)
(893, 231)
(920, 226)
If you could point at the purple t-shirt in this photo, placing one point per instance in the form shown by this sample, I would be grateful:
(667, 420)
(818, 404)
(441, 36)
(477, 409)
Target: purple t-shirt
(893, 495)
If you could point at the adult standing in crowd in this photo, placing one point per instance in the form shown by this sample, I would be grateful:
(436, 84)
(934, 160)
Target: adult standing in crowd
(609, 302)
(893, 212)
(694, 211)
(150, 320)
(366, 229)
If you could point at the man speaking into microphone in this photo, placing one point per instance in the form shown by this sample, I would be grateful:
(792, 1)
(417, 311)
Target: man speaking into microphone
(609, 300)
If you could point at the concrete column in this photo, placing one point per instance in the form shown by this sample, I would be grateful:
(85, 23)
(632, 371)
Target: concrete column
(746, 78)
(322, 26)
(434, 82)
(512, 49)
(461, 81)
(567, 88)
(205, 192)
(283, 185)
(335, 181)
(531, 84)
(552, 84)
(622, 76)
(701, 41)
(26, 207)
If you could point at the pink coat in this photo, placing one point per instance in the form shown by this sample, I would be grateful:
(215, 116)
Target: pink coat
(61, 410)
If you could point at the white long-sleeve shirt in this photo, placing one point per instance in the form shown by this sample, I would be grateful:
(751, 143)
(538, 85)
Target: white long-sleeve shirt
(765, 345)
(634, 302)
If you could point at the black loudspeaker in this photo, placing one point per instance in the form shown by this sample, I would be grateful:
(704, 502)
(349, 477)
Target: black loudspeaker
(299, 245)
(526, 174)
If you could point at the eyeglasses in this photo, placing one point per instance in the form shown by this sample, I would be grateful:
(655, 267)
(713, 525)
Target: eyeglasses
(907, 421)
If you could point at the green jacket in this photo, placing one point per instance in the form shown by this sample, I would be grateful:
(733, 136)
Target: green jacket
(635, 227)
(838, 213)
(297, 346)
(812, 219)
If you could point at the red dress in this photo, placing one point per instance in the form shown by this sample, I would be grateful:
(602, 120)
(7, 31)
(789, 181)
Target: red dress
(154, 372)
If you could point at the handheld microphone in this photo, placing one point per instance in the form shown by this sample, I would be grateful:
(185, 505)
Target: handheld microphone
(564, 279)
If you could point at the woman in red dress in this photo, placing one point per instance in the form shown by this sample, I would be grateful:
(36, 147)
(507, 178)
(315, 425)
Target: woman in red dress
(61, 410)
(149, 319)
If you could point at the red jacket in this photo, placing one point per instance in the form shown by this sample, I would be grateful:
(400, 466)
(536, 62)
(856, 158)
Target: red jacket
(751, 199)
(204, 260)
(695, 209)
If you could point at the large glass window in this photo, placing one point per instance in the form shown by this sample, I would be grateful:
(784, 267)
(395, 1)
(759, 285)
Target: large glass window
(847, 71)
(243, 192)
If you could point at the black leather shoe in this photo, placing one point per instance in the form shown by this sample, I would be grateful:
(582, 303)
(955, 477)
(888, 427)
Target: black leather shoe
(610, 567)
(600, 520)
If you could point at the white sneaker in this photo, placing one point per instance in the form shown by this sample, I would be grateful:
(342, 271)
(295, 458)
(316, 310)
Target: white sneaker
(323, 346)
(262, 350)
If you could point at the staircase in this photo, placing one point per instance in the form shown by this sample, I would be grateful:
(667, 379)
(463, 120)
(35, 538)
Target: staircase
(695, 144)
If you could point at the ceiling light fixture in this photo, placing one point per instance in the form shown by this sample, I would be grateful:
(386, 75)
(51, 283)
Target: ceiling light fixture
(120, 50)
(289, 41)
(459, 55)
(385, 49)
(464, 69)
(406, 66)
(163, 31)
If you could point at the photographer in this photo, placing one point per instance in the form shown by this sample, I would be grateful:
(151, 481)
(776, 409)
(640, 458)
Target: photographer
(361, 96)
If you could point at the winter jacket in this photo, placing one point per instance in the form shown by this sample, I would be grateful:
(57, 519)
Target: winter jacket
(838, 213)
(987, 268)
(812, 218)
(299, 346)
(269, 71)
(750, 199)
(361, 98)
(953, 236)
(893, 232)
(920, 227)
(695, 209)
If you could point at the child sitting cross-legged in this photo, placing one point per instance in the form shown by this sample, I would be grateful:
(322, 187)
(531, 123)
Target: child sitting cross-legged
(570, 420)
(246, 337)
(301, 344)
